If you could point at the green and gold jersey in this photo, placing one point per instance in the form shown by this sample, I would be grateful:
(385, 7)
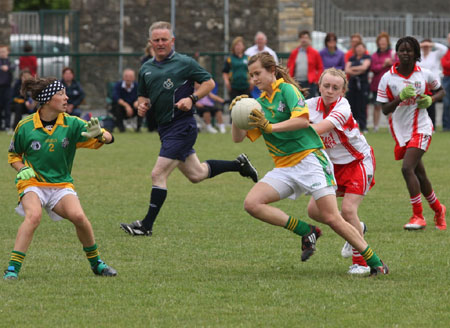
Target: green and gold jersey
(290, 147)
(166, 82)
(237, 68)
(49, 153)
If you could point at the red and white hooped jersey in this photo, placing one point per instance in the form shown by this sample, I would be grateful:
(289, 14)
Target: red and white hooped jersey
(344, 143)
(407, 119)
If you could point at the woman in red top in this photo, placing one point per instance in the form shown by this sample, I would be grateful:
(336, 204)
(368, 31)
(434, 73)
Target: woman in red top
(28, 62)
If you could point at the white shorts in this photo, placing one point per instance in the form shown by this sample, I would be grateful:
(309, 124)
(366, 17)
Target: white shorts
(312, 176)
(49, 197)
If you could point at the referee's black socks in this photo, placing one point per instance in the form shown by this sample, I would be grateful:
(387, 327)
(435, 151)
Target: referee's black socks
(217, 167)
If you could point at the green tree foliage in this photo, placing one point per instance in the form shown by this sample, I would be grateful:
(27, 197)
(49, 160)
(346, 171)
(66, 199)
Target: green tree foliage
(20, 5)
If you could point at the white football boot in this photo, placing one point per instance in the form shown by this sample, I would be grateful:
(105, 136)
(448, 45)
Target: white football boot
(347, 250)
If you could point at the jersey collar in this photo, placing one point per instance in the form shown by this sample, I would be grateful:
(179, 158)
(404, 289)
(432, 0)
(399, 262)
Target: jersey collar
(275, 86)
(321, 106)
(395, 71)
(169, 57)
(38, 123)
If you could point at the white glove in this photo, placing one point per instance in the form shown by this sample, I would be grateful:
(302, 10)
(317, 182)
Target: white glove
(93, 128)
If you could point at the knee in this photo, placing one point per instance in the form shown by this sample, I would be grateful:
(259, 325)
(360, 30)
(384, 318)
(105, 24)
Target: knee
(78, 219)
(407, 171)
(348, 211)
(250, 206)
(33, 219)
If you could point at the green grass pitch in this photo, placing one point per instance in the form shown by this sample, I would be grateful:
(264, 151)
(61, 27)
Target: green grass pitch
(209, 264)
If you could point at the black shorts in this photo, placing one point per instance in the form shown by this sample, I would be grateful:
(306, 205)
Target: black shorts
(178, 138)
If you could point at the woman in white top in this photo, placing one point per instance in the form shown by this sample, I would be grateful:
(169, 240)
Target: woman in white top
(403, 92)
(431, 54)
(352, 157)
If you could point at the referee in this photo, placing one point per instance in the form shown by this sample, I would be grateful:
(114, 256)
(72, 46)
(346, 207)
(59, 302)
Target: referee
(166, 86)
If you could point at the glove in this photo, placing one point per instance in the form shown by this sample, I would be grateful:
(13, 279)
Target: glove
(407, 92)
(424, 101)
(260, 121)
(93, 129)
(25, 173)
(235, 100)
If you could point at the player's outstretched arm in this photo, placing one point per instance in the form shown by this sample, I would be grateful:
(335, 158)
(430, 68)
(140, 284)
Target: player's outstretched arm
(94, 130)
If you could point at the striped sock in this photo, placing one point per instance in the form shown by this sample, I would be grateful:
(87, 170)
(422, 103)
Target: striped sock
(92, 254)
(434, 202)
(416, 202)
(357, 258)
(298, 227)
(16, 260)
(371, 258)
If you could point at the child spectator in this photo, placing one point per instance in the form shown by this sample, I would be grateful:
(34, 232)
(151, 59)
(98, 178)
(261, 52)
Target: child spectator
(28, 62)
(6, 77)
(73, 90)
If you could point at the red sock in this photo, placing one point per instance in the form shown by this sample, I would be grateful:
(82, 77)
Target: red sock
(416, 202)
(434, 203)
(358, 259)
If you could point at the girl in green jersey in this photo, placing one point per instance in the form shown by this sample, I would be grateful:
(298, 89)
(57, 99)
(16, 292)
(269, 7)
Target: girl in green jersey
(42, 152)
(301, 165)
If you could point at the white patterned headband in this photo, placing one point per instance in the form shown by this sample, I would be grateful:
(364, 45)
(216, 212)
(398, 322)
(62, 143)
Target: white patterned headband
(49, 91)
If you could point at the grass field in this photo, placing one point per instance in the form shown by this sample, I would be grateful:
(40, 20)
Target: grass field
(209, 264)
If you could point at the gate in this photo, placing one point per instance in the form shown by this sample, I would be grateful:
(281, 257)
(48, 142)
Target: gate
(329, 18)
(53, 34)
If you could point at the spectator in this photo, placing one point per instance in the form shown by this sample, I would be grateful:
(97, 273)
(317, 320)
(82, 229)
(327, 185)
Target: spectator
(357, 68)
(6, 77)
(235, 70)
(125, 100)
(305, 65)
(260, 46)
(381, 61)
(354, 40)
(150, 118)
(28, 61)
(331, 55)
(431, 53)
(206, 108)
(21, 104)
(445, 61)
(73, 90)
(148, 53)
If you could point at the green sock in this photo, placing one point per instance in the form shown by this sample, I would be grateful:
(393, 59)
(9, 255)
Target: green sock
(297, 226)
(371, 258)
(92, 254)
(16, 260)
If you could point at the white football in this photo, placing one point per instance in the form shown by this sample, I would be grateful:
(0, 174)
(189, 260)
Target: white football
(241, 110)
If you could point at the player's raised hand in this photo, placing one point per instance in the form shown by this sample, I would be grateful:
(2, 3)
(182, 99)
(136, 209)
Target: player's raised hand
(260, 121)
(235, 100)
(26, 173)
(424, 101)
(93, 128)
(407, 92)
